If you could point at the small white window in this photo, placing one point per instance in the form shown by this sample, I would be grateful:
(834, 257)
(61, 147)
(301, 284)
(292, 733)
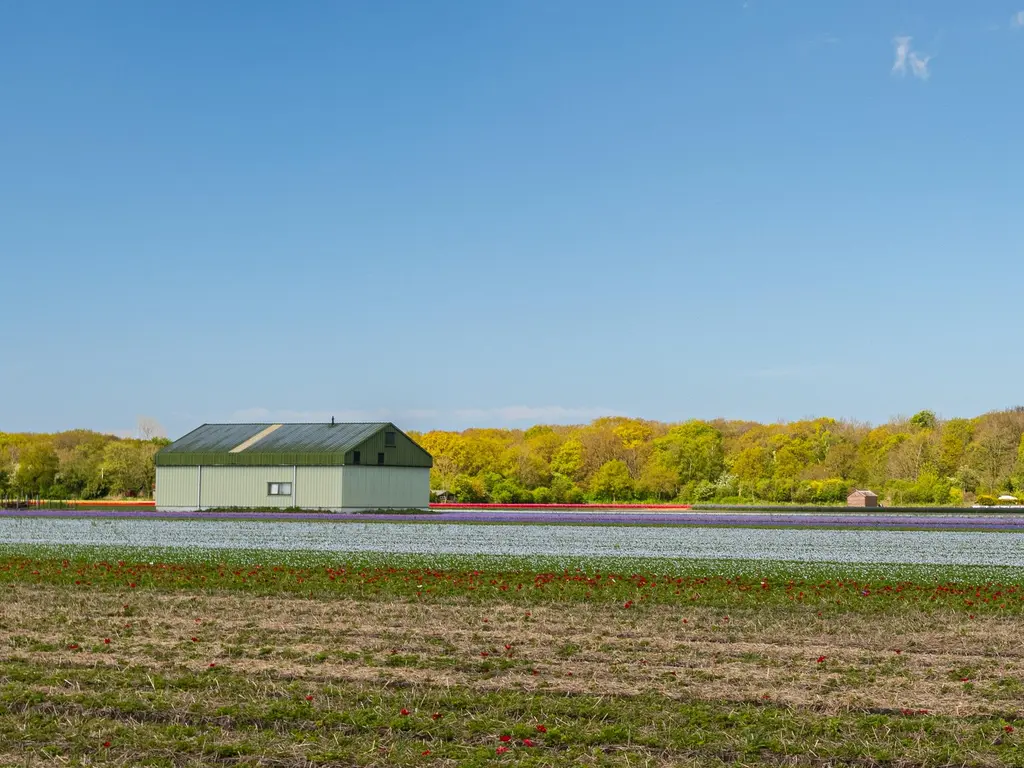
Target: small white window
(279, 489)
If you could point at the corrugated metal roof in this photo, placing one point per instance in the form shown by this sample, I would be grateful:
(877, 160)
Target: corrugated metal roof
(291, 444)
(214, 438)
(289, 438)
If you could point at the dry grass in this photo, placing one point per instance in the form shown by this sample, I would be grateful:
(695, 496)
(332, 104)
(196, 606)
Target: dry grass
(695, 654)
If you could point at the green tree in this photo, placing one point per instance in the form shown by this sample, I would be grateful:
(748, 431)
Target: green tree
(568, 459)
(509, 492)
(694, 449)
(80, 472)
(564, 490)
(751, 464)
(612, 482)
(956, 437)
(467, 490)
(542, 495)
(924, 420)
(659, 480)
(37, 470)
(128, 467)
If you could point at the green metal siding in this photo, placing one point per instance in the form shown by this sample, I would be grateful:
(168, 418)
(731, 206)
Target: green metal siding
(385, 487)
(247, 459)
(244, 486)
(405, 452)
(318, 487)
(177, 487)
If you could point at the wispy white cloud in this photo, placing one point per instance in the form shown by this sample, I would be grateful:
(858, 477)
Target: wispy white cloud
(1017, 22)
(902, 49)
(906, 55)
(919, 66)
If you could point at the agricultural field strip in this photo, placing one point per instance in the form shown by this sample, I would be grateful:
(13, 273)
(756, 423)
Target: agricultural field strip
(494, 646)
(838, 518)
(309, 662)
(808, 545)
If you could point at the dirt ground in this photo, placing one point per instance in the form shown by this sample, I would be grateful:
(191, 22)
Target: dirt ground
(940, 662)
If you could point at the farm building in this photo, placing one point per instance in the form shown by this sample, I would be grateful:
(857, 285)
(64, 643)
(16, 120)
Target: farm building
(862, 499)
(337, 467)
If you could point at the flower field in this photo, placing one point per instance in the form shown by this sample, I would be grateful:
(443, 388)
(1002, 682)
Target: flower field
(566, 542)
(188, 656)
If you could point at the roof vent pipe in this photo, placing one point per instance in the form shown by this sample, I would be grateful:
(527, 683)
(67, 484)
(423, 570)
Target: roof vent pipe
(332, 421)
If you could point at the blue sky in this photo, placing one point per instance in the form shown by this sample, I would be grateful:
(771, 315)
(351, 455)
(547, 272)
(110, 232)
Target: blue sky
(471, 213)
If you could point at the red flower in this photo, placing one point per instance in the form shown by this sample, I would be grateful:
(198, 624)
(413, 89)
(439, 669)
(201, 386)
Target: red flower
(73, 647)
(309, 698)
(1008, 728)
(425, 752)
(821, 659)
(508, 647)
(195, 639)
(527, 743)
(501, 750)
(212, 665)
(404, 712)
(535, 672)
(541, 729)
(484, 654)
(106, 640)
(106, 744)
(505, 738)
(436, 716)
(898, 651)
(628, 604)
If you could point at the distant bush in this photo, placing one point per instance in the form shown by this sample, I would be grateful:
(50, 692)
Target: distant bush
(986, 501)
(542, 495)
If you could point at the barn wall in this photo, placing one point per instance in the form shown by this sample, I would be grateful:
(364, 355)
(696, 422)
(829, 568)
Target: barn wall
(373, 487)
(177, 488)
(245, 487)
(318, 487)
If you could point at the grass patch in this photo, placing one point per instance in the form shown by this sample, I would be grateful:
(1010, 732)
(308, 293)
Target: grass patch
(398, 662)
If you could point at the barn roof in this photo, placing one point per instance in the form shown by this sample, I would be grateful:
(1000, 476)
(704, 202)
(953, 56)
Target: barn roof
(864, 493)
(280, 444)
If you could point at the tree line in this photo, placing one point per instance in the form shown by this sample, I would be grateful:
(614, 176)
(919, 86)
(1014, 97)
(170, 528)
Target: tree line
(78, 464)
(917, 460)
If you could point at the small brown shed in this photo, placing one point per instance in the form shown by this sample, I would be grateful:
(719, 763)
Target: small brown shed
(862, 499)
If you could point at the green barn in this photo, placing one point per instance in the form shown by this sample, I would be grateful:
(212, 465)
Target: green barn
(336, 467)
